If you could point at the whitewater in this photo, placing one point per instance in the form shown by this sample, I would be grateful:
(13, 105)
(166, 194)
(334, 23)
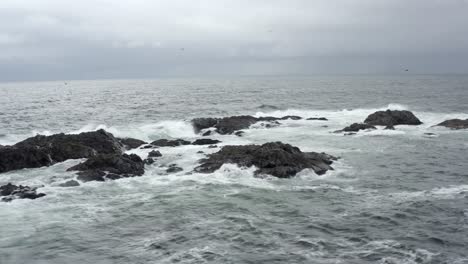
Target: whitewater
(394, 196)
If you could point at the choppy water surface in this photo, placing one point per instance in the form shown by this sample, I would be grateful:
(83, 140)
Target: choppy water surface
(394, 197)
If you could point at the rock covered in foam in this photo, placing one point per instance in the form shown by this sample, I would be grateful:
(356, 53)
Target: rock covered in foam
(392, 118)
(274, 158)
(109, 166)
(10, 192)
(42, 151)
(455, 123)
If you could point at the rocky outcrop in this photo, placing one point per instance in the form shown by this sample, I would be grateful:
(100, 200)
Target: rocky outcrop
(356, 127)
(42, 151)
(154, 154)
(70, 183)
(10, 192)
(173, 168)
(131, 143)
(205, 141)
(317, 119)
(109, 166)
(455, 123)
(229, 125)
(274, 158)
(292, 117)
(392, 118)
(170, 143)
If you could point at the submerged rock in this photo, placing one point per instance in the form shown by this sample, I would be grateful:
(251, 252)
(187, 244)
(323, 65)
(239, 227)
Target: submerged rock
(455, 123)
(10, 192)
(131, 143)
(317, 118)
(205, 141)
(42, 151)
(110, 166)
(70, 183)
(149, 161)
(292, 117)
(174, 169)
(170, 143)
(154, 154)
(392, 118)
(356, 127)
(274, 158)
(239, 133)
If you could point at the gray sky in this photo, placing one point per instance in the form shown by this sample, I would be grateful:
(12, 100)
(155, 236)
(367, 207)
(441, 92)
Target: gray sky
(87, 39)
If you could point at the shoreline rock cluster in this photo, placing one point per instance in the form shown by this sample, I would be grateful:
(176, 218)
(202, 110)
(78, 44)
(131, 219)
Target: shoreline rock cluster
(106, 158)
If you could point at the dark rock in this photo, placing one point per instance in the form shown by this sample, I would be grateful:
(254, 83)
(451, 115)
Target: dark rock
(392, 118)
(71, 183)
(147, 147)
(455, 123)
(205, 141)
(317, 118)
(266, 106)
(11, 192)
(429, 134)
(350, 134)
(173, 169)
(202, 123)
(91, 175)
(154, 154)
(229, 125)
(42, 151)
(98, 168)
(226, 125)
(389, 128)
(356, 127)
(207, 133)
(274, 158)
(149, 161)
(170, 143)
(131, 143)
(239, 133)
(200, 152)
(271, 124)
(292, 117)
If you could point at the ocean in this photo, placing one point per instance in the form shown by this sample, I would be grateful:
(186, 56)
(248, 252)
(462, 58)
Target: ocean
(395, 196)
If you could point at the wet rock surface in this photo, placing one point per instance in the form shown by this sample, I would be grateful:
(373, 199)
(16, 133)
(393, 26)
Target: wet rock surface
(10, 192)
(173, 168)
(392, 118)
(154, 154)
(70, 183)
(356, 127)
(170, 143)
(131, 143)
(274, 158)
(206, 141)
(455, 123)
(229, 125)
(317, 119)
(109, 166)
(42, 151)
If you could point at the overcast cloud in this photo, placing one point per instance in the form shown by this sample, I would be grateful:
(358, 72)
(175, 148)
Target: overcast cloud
(86, 39)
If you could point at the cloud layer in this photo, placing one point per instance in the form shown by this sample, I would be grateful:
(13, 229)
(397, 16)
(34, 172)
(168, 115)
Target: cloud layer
(56, 39)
